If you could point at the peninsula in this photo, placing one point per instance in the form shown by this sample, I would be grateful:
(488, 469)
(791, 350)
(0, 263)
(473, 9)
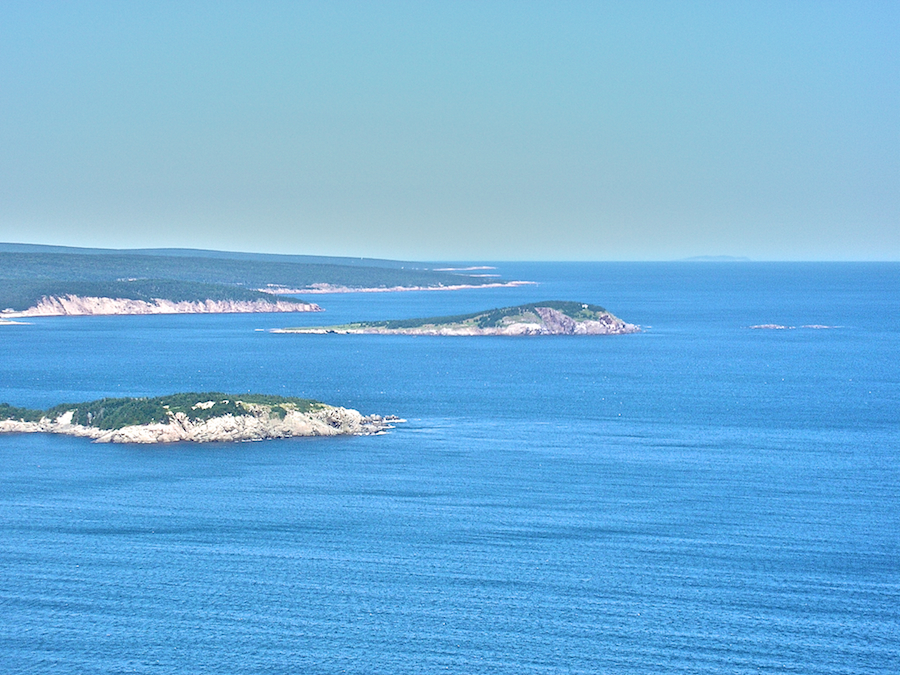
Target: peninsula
(146, 297)
(552, 317)
(64, 281)
(194, 417)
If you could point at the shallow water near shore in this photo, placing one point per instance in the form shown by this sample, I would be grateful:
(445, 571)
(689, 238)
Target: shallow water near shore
(697, 498)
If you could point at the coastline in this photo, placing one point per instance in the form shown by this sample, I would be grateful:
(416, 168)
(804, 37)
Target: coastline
(73, 305)
(513, 330)
(542, 321)
(316, 289)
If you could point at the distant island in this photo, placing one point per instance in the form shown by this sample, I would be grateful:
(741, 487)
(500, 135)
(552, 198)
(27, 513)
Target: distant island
(62, 281)
(194, 417)
(552, 317)
(716, 258)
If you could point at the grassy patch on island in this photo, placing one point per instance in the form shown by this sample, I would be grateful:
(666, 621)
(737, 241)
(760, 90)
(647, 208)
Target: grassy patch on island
(115, 413)
(491, 318)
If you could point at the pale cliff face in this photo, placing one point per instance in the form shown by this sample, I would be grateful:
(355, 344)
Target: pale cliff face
(555, 322)
(251, 427)
(73, 305)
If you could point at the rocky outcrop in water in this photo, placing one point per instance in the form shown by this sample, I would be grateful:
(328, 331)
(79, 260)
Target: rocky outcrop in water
(555, 322)
(258, 426)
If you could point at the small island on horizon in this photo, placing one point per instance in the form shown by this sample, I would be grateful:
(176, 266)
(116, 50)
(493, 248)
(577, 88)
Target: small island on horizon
(194, 417)
(551, 317)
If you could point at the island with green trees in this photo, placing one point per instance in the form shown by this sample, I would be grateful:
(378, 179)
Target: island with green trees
(194, 417)
(552, 317)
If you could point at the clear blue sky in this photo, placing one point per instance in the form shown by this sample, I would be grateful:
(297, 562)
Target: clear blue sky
(455, 130)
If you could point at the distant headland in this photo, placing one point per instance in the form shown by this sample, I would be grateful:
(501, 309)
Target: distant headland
(716, 258)
(64, 281)
(552, 317)
(194, 417)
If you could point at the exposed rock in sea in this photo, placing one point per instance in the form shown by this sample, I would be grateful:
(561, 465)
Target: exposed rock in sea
(775, 326)
(771, 326)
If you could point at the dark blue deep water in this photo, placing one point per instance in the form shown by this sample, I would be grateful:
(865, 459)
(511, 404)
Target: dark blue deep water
(699, 498)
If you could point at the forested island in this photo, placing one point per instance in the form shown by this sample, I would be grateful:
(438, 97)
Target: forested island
(552, 317)
(53, 281)
(194, 417)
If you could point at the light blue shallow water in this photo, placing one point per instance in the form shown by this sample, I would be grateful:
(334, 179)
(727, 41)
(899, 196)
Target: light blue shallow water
(699, 498)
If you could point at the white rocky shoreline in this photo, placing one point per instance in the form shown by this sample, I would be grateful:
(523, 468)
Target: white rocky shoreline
(777, 326)
(74, 305)
(314, 289)
(328, 421)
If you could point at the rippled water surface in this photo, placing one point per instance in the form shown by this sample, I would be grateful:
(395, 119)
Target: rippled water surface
(698, 498)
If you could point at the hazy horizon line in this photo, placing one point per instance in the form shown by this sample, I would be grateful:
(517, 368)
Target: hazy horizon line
(702, 258)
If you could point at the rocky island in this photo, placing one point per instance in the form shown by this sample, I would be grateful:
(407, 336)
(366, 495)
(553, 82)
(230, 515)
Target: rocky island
(194, 417)
(552, 317)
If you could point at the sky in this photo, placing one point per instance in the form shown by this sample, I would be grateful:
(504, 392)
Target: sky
(455, 130)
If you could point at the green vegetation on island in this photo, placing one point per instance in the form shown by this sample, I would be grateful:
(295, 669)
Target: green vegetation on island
(28, 273)
(551, 317)
(117, 413)
(493, 318)
(20, 294)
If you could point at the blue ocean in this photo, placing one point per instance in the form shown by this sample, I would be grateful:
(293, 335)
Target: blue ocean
(701, 497)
